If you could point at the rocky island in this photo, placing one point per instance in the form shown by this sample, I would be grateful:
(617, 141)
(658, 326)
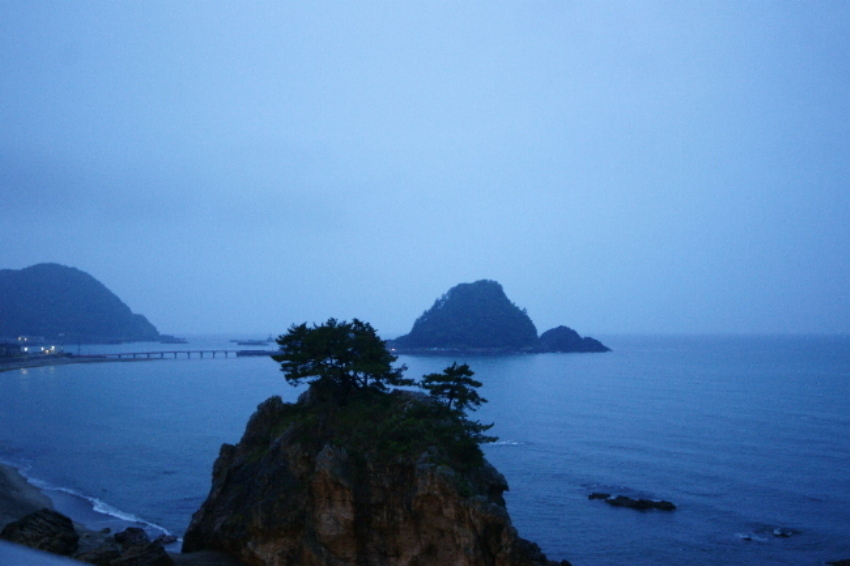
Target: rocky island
(355, 473)
(479, 318)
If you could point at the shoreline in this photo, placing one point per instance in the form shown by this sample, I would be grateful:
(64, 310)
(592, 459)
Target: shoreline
(19, 497)
(61, 361)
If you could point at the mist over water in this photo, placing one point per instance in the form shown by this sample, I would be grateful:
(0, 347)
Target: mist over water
(744, 435)
(616, 166)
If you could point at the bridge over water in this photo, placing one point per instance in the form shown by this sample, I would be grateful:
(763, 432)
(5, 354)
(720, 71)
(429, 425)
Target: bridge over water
(164, 354)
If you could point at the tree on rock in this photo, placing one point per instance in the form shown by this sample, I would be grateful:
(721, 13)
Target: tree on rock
(456, 389)
(345, 355)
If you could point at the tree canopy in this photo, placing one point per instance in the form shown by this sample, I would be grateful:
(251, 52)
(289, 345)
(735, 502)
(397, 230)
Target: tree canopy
(454, 387)
(456, 391)
(348, 355)
(349, 361)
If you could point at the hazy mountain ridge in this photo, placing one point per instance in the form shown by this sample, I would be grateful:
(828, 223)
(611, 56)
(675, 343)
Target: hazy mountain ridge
(61, 303)
(479, 317)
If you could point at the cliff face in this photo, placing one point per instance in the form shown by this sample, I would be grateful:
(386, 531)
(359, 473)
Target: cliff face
(564, 339)
(286, 494)
(64, 303)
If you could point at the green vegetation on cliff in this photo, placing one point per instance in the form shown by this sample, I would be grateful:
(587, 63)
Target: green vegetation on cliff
(348, 355)
(394, 427)
(62, 303)
(349, 370)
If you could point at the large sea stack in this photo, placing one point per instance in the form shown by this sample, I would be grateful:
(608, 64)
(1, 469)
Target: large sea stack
(479, 318)
(64, 304)
(318, 483)
(472, 316)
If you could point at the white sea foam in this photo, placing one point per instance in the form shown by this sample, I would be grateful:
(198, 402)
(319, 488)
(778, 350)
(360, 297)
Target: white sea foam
(99, 506)
(507, 443)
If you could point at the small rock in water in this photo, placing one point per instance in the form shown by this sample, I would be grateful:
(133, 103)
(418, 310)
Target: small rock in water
(640, 504)
(782, 532)
(598, 495)
(750, 537)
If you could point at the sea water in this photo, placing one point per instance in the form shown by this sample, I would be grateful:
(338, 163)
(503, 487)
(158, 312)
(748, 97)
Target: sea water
(748, 436)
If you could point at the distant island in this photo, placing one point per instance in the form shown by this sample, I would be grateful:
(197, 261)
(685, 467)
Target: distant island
(49, 302)
(479, 318)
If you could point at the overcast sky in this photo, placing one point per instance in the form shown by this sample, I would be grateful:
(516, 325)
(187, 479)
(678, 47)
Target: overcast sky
(619, 167)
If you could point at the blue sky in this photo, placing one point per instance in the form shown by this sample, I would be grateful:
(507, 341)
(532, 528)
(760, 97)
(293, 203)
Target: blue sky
(617, 166)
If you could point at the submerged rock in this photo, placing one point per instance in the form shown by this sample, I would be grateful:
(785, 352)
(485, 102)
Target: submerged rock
(289, 493)
(640, 504)
(628, 502)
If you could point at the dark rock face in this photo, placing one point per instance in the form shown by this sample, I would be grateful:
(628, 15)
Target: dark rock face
(564, 339)
(288, 495)
(63, 303)
(148, 555)
(44, 530)
(132, 536)
(472, 316)
(130, 547)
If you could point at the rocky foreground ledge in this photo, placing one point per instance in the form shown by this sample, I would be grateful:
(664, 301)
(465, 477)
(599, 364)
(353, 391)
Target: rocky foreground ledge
(289, 493)
(28, 521)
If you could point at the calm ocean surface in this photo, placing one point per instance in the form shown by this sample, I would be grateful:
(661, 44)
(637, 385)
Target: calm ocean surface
(745, 435)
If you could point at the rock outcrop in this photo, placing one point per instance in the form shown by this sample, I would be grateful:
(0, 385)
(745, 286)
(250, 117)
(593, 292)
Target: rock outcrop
(301, 487)
(45, 530)
(479, 318)
(630, 503)
(564, 339)
(67, 305)
(472, 316)
(53, 532)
